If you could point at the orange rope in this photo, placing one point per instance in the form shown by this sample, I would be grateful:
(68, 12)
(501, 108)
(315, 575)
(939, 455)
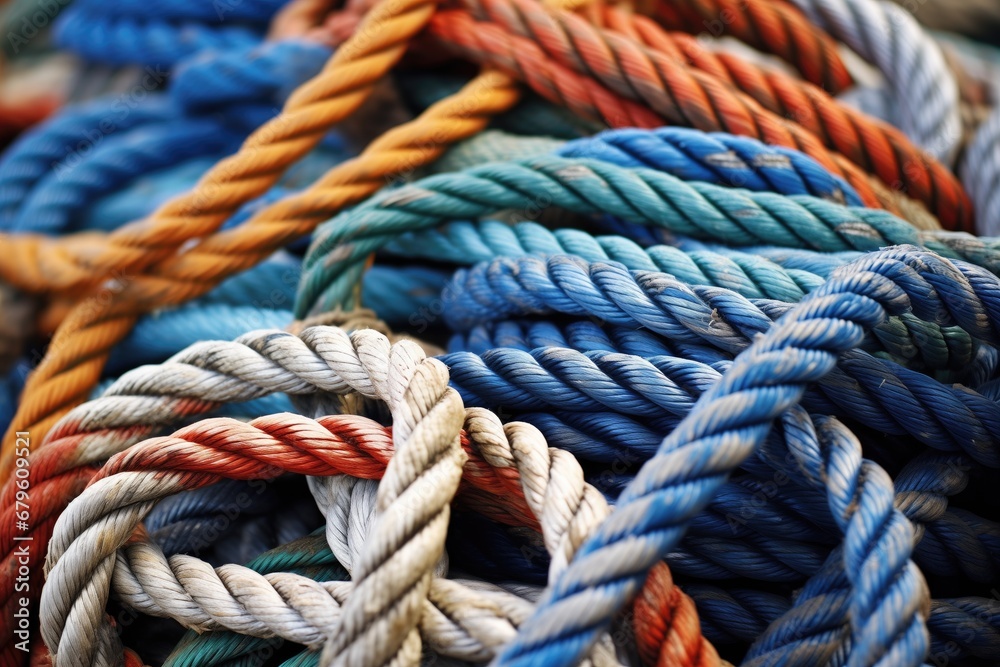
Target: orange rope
(563, 55)
(667, 632)
(875, 146)
(79, 349)
(778, 28)
(39, 264)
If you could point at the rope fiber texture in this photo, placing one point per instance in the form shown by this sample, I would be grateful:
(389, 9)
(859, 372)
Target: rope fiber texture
(520, 36)
(501, 448)
(771, 376)
(722, 391)
(77, 352)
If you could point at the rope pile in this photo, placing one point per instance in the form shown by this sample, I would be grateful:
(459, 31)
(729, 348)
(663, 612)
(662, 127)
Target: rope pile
(520, 332)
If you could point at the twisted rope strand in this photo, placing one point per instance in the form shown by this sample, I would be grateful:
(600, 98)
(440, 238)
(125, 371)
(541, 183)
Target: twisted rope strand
(591, 187)
(719, 158)
(386, 374)
(887, 35)
(296, 445)
(908, 340)
(79, 348)
(339, 89)
(771, 377)
(672, 89)
(771, 27)
(672, 309)
(875, 146)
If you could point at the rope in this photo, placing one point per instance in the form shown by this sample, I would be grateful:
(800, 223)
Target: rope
(717, 158)
(906, 340)
(566, 505)
(981, 174)
(89, 326)
(122, 40)
(333, 350)
(875, 146)
(675, 92)
(914, 67)
(588, 186)
(771, 27)
(427, 455)
(722, 319)
(28, 159)
(829, 321)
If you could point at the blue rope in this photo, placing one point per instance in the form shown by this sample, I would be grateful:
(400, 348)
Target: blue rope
(60, 196)
(218, 11)
(262, 74)
(74, 131)
(719, 158)
(638, 195)
(894, 399)
(727, 426)
(108, 37)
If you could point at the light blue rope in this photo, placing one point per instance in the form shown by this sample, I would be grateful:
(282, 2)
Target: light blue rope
(728, 424)
(156, 337)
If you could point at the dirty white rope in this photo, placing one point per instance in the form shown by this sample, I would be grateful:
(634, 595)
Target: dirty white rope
(421, 477)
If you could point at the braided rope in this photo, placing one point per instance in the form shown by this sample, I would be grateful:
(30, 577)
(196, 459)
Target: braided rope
(876, 146)
(887, 35)
(907, 340)
(519, 31)
(771, 375)
(568, 509)
(330, 96)
(588, 186)
(68, 190)
(719, 158)
(79, 347)
(28, 159)
(123, 40)
(428, 456)
(725, 320)
(772, 27)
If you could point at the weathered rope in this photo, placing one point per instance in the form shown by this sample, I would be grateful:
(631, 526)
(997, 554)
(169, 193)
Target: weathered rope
(888, 36)
(501, 447)
(773, 27)
(829, 321)
(675, 92)
(423, 430)
(589, 186)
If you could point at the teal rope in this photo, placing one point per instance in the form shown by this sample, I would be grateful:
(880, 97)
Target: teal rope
(590, 187)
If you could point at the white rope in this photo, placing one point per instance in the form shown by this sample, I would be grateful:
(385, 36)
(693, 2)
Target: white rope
(145, 400)
(981, 175)
(421, 478)
(567, 507)
(885, 34)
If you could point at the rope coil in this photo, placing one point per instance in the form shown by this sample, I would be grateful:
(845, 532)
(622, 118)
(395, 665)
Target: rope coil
(713, 394)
